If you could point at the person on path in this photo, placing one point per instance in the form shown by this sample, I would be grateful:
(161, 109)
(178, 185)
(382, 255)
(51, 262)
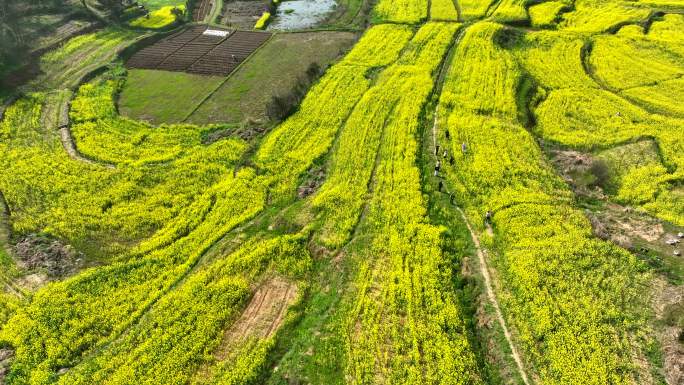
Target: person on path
(448, 135)
(488, 218)
(437, 149)
(451, 160)
(438, 165)
(445, 154)
(464, 147)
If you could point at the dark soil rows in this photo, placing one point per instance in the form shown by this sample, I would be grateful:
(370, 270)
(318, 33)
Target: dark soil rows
(192, 51)
(151, 57)
(228, 55)
(202, 9)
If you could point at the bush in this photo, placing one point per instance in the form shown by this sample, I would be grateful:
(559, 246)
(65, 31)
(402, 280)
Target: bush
(263, 21)
(282, 106)
(601, 172)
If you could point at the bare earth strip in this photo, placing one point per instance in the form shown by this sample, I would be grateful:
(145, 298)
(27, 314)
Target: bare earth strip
(484, 270)
(263, 315)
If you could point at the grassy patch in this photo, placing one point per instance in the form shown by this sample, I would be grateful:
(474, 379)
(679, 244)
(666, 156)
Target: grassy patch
(163, 97)
(272, 71)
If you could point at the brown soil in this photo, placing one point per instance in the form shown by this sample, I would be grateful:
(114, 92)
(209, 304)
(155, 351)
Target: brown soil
(491, 295)
(262, 317)
(622, 226)
(202, 10)
(667, 296)
(314, 180)
(194, 52)
(49, 255)
(5, 357)
(572, 165)
(242, 14)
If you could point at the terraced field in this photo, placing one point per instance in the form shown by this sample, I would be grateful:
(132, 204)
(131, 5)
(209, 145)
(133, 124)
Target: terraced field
(475, 193)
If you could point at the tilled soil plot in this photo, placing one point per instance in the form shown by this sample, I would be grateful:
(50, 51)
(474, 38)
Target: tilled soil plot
(242, 14)
(199, 50)
(202, 9)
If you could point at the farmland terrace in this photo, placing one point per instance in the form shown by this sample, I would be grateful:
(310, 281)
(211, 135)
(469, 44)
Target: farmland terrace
(404, 192)
(201, 50)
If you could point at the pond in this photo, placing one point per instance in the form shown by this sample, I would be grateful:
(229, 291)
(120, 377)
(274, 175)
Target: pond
(301, 14)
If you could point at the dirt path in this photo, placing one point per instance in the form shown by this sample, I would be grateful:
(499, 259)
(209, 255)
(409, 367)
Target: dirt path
(484, 270)
(262, 317)
(63, 125)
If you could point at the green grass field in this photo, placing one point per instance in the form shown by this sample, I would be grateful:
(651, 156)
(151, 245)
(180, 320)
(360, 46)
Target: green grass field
(162, 96)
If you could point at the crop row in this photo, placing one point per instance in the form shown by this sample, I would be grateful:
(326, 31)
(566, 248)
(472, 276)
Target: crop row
(510, 11)
(401, 11)
(179, 333)
(570, 298)
(403, 323)
(69, 320)
(340, 199)
(443, 10)
(638, 102)
(601, 16)
(473, 9)
(309, 133)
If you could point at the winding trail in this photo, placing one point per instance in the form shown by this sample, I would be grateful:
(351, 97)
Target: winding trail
(64, 128)
(484, 268)
(70, 147)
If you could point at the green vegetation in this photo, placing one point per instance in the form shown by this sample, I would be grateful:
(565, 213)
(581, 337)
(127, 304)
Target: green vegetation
(162, 96)
(159, 18)
(90, 51)
(272, 71)
(225, 244)
(262, 23)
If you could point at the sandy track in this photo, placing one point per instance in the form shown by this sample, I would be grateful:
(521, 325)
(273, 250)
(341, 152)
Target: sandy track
(484, 269)
(262, 317)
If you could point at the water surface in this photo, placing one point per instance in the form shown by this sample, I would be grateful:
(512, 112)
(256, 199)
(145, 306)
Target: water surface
(301, 14)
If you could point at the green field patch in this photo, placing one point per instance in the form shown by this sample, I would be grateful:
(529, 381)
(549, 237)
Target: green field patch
(545, 14)
(159, 18)
(162, 96)
(273, 70)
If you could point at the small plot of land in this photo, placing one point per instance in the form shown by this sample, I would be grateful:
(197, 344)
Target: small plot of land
(202, 10)
(273, 70)
(242, 14)
(263, 315)
(200, 50)
(162, 96)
